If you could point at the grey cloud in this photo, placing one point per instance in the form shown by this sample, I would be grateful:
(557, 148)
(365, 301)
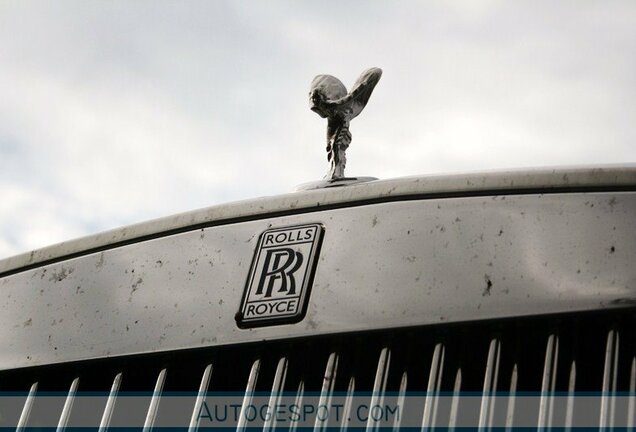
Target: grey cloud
(116, 112)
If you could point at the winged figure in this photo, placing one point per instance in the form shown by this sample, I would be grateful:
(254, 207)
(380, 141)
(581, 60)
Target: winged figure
(329, 98)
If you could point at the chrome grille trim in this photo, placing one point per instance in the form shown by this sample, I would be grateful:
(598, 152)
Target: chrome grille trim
(203, 388)
(346, 416)
(632, 389)
(298, 401)
(249, 393)
(68, 406)
(328, 383)
(452, 421)
(401, 398)
(490, 384)
(567, 354)
(110, 403)
(510, 411)
(277, 388)
(153, 408)
(434, 383)
(609, 379)
(379, 384)
(548, 381)
(26, 410)
(569, 411)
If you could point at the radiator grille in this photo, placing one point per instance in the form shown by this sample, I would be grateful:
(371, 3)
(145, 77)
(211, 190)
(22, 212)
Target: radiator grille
(589, 352)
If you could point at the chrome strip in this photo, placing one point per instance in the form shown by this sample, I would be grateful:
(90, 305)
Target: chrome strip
(454, 260)
(400, 400)
(632, 390)
(379, 385)
(512, 399)
(609, 380)
(110, 403)
(468, 183)
(490, 384)
(26, 410)
(68, 406)
(569, 410)
(249, 394)
(297, 402)
(153, 408)
(434, 383)
(548, 381)
(326, 391)
(277, 392)
(454, 411)
(203, 388)
(346, 412)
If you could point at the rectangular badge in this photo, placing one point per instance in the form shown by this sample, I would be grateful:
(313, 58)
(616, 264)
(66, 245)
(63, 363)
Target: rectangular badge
(281, 275)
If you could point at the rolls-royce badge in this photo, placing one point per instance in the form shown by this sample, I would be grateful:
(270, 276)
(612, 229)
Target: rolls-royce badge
(281, 275)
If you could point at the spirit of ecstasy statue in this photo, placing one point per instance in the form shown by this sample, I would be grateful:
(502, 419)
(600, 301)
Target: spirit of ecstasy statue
(329, 98)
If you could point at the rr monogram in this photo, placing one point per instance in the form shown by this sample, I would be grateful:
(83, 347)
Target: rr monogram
(275, 269)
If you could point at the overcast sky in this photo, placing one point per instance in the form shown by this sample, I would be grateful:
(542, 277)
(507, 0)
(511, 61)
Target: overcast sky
(116, 112)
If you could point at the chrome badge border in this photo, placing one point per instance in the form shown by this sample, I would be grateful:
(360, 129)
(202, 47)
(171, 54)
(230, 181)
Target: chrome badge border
(305, 288)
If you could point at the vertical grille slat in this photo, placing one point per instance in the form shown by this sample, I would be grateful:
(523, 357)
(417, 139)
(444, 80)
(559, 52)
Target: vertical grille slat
(548, 381)
(569, 409)
(153, 408)
(346, 416)
(26, 409)
(609, 379)
(454, 410)
(512, 398)
(249, 394)
(490, 384)
(203, 388)
(379, 384)
(298, 400)
(631, 407)
(326, 390)
(433, 387)
(68, 406)
(277, 388)
(110, 403)
(401, 398)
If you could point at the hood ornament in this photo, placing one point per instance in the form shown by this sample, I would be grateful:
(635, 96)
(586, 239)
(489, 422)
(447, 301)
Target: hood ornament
(328, 97)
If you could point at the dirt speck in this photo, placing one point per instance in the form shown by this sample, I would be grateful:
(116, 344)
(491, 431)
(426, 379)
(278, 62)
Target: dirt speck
(312, 324)
(135, 286)
(62, 274)
(488, 287)
(100, 262)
